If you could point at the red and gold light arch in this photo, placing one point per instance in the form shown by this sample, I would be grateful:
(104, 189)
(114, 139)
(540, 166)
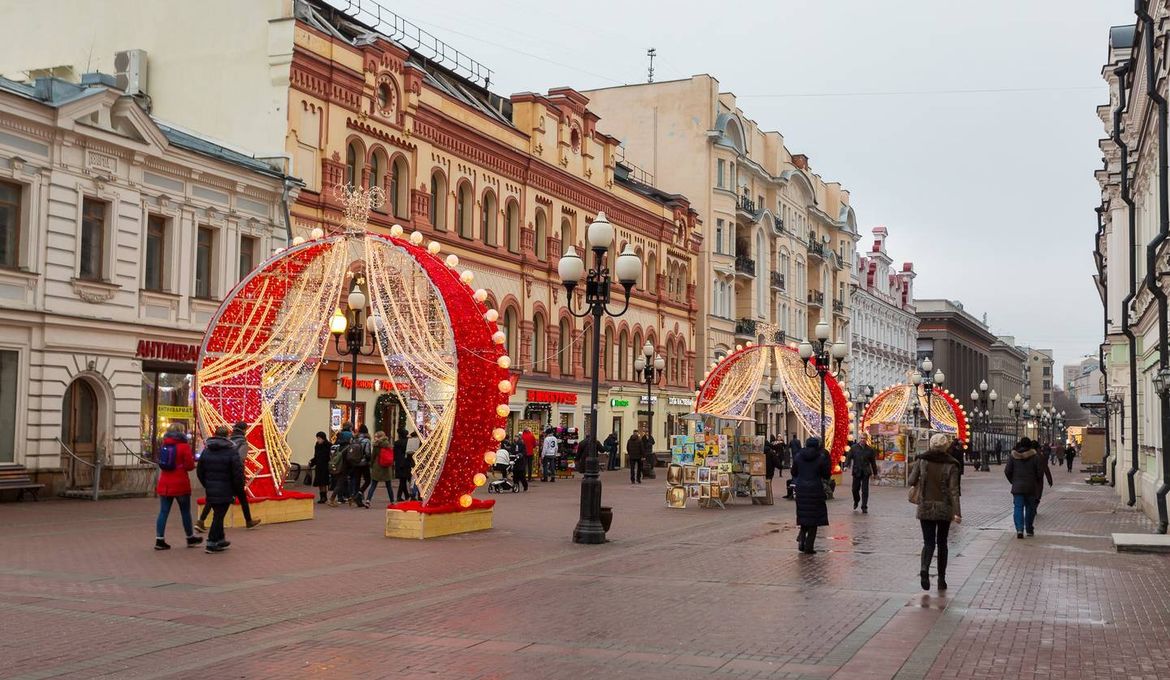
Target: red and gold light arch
(946, 414)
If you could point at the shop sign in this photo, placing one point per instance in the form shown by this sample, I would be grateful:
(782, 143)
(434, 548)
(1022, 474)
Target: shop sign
(652, 400)
(681, 401)
(552, 397)
(167, 351)
(175, 412)
(619, 403)
(376, 385)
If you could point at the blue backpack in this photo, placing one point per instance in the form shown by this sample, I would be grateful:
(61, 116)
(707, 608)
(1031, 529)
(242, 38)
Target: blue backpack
(168, 455)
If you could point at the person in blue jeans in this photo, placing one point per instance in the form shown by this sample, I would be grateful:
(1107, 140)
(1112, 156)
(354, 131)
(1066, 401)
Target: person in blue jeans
(1025, 470)
(548, 456)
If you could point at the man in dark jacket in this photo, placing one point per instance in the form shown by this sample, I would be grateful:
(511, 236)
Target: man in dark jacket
(239, 439)
(359, 460)
(863, 464)
(611, 450)
(634, 456)
(221, 472)
(1025, 470)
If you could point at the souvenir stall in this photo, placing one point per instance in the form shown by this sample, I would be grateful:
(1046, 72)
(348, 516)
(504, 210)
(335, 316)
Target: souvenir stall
(898, 442)
(725, 459)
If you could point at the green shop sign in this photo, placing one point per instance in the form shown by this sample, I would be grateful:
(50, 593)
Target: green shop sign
(619, 403)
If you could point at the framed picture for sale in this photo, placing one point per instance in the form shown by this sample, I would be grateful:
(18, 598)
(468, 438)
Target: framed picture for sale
(757, 465)
(693, 491)
(704, 491)
(704, 475)
(690, 474)
(724, 479)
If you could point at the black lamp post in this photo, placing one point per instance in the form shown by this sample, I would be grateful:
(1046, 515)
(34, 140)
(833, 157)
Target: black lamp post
(648, 368)
(984, 404)
(929, 381)
(828, 358)
(864, 396)
(597, 295)
(779, 398)
(354, 343)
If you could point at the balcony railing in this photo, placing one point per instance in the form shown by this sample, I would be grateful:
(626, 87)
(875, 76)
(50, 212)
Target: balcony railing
(746, 205)
(816, 297)
(815, 247)
(839, 306)
(745, 327)
(745, 265)
(777, 280)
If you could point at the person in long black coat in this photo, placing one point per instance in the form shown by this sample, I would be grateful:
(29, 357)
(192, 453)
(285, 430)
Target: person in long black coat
(221, 472)
(810, 471)
(320, 463)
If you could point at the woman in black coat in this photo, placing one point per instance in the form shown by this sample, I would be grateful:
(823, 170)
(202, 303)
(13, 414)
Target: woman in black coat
(320, 463)
(810, 471)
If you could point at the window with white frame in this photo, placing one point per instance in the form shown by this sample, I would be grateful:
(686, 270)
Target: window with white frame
(93, 239)
(11, 196)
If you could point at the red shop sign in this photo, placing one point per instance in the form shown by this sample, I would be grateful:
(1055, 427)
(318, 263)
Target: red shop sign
(552, 397)
(383, 385)
(167, 351)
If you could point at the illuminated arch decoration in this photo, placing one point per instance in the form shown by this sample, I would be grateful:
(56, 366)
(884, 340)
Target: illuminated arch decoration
(439, 343)
(946, 414)
(731, 388)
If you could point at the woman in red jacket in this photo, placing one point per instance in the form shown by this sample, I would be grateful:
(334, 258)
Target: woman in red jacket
(175, 485)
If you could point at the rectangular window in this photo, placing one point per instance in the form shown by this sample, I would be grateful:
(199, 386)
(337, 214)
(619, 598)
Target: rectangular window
(9, 225)
(719, 170)
(156, 238)
(93, 238)
(1047, 370)
(719, 234)
(9, 363)
(248, 248)
(203, 252)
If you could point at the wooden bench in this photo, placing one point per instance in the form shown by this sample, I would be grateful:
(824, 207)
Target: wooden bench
(16, 478)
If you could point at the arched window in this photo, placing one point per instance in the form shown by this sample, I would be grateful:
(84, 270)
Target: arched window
(439, 200)
(378, 172)
(566, 348)
(651, 280)
(635, 352)
(568, 238)
(353, 165)
(488, 218)
(623, 351)
(539, 330)
(587, 351)
(607, 354)
(511, 330)
(399, 189)
(463, 210)
(512, 226)
(542, 235)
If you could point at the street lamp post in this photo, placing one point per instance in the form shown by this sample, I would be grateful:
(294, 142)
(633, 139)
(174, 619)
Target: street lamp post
(929, 382)
(597, 295)
(984, 404)
(779, 398)
(649, 370)
(828, 358)
(864, 396)
(355, 340)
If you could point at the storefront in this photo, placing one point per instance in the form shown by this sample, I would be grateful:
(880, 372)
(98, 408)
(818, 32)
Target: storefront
(168, 390)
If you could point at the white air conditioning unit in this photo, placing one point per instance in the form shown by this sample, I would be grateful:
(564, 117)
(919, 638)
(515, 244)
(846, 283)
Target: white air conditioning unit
(130, 71)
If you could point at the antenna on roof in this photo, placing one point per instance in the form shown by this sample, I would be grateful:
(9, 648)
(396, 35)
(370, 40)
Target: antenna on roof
(650, 71)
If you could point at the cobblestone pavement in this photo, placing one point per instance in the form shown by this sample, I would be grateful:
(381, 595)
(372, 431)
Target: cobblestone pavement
(675, 594)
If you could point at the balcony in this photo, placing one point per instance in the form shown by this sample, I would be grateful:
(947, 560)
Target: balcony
(839, 306)
(748, 208)
(815, 247)
(816, 298)
(779, 337)
(746, 327)
(777, 280)
(745, 265)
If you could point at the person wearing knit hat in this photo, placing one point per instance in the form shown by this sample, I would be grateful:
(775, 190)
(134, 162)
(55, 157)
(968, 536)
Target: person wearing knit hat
(935, 474)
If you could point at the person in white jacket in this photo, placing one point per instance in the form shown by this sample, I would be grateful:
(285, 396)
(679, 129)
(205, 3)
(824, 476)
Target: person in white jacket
(548, 456)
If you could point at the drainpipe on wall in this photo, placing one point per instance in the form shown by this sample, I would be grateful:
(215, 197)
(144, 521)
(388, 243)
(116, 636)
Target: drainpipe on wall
(1122, 73)
(1152, 280)
(286, 211)
(1110, 462)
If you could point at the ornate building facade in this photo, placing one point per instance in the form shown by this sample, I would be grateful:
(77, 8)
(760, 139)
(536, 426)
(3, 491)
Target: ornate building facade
(1132, 249)
(778, 240)
(118, 235)
(884, 325)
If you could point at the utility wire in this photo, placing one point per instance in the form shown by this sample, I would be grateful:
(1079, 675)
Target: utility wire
(901, 93)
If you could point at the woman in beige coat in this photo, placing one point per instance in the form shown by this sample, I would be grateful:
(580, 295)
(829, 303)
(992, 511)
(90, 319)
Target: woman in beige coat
(936, 474)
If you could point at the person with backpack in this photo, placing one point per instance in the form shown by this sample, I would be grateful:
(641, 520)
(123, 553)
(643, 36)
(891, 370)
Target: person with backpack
(240, 441)
(382, 464)
(404, 467)
(175, 462)
(221, 472)
(321, 466)
(358, 456)
(339, 466)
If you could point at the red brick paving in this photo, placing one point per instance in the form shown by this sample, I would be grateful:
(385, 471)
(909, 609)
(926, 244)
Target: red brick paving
(675, 594)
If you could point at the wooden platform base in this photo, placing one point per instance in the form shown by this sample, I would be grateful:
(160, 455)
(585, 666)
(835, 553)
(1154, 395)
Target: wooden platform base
(411, 524)
(271, 512)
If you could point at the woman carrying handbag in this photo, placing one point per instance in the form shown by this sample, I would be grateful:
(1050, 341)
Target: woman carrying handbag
(934, 488)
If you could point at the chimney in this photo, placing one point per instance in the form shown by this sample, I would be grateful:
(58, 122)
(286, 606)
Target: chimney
(800, 160)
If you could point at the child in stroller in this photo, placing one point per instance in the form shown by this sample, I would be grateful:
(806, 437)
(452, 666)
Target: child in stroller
(502, 474)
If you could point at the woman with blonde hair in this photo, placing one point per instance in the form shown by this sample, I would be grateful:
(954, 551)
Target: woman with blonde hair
(934, 482)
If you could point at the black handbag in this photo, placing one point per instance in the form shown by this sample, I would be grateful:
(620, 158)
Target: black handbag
(309, 477)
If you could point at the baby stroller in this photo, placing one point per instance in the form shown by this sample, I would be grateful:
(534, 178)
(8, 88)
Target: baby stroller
(502, 474)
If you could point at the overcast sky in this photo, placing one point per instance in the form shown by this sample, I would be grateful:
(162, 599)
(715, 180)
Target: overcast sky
(989, 193)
